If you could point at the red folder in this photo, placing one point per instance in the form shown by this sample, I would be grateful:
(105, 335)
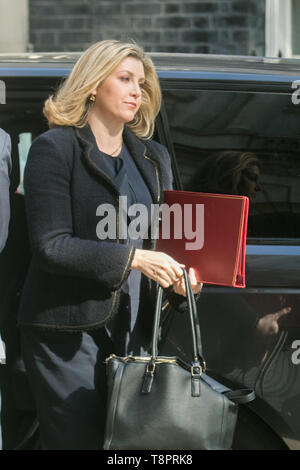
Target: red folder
(218, 225)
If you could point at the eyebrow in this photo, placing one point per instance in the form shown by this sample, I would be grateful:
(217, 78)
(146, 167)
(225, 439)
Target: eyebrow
(131, 73)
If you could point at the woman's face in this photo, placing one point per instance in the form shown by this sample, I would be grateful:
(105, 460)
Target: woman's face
(119, 97)
(251, 176)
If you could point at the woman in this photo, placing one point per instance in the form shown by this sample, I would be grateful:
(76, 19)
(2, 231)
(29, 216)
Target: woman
(98, 289)
(229, 172)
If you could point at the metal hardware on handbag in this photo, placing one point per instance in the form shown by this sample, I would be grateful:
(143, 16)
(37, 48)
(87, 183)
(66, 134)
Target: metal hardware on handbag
(157, 402)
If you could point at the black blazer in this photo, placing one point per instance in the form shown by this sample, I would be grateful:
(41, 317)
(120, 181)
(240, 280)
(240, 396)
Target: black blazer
(74, 279)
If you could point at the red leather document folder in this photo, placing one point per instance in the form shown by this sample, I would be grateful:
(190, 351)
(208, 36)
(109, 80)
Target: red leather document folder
(210, 235)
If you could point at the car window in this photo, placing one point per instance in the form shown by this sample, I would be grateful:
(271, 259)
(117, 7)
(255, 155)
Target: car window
(241, 143)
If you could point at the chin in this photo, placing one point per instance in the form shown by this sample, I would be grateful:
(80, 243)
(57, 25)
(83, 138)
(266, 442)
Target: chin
(130, 117)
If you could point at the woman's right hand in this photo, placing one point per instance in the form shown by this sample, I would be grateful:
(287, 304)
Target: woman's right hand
(158, 266)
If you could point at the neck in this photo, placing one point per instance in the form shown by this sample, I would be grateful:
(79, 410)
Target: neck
(108, 137)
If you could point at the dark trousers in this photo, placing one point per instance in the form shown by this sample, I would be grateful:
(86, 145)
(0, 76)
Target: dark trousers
(67, 375)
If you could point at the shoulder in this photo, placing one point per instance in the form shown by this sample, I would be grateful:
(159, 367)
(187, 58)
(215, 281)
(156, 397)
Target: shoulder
(3, 135)
(54, 149)
(4, 142)
(55, 143)
(160, 154)
(155, 150)
(155, 147)
(158, 151)
(5, 149)
(58, 135)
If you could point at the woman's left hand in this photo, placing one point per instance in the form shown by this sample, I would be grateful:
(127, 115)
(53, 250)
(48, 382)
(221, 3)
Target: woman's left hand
(179, 286)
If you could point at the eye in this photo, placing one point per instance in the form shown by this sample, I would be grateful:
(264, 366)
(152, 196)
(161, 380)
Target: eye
(142, 85)
(251, 176)
(125, 79)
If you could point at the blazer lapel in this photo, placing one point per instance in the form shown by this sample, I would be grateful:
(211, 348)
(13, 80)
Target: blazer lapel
(92, 157)
(146, 163)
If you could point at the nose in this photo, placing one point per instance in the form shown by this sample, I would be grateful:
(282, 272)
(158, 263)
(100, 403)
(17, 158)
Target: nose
(258, 187)
(136, 89)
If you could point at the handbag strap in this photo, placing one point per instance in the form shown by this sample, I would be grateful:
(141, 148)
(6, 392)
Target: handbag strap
(194, 323)
(197, 363)
(241, 396)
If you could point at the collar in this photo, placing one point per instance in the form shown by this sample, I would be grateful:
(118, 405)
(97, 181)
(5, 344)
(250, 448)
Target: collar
(145, 160)
(87, 138)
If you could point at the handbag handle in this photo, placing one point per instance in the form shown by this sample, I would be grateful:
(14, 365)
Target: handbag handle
(194, 323)
(197, 363)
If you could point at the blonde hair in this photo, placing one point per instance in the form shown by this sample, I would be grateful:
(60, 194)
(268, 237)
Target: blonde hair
(70, 105)
(224, 172)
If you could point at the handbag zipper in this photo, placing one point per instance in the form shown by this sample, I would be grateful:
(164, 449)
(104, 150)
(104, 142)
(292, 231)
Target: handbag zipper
(159, 360)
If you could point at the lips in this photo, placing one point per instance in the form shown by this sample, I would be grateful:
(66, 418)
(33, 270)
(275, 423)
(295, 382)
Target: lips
(131, 104)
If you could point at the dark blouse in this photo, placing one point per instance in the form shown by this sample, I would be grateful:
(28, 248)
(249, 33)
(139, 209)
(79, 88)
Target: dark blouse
(124, 328)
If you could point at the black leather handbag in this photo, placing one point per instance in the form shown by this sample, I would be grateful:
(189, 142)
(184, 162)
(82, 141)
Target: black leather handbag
(160, 402)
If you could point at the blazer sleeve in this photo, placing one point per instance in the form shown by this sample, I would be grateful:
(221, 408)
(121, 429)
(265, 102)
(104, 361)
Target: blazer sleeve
(5, 168)
(47, 181)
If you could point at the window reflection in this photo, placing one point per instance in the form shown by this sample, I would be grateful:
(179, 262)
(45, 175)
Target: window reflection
(209, 125)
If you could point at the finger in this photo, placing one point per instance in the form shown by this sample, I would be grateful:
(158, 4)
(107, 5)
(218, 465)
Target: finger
(179, 287)
(174, 274)
(161, 281)
(282, 312)
(198, 288)
(163, 276)
(180, 291)
(169, 266)
(176, 270)
(192, 276)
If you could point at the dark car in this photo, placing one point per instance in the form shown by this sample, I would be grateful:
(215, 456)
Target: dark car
(215, 108)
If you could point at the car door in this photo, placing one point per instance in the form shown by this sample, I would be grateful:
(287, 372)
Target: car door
(251, 336)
